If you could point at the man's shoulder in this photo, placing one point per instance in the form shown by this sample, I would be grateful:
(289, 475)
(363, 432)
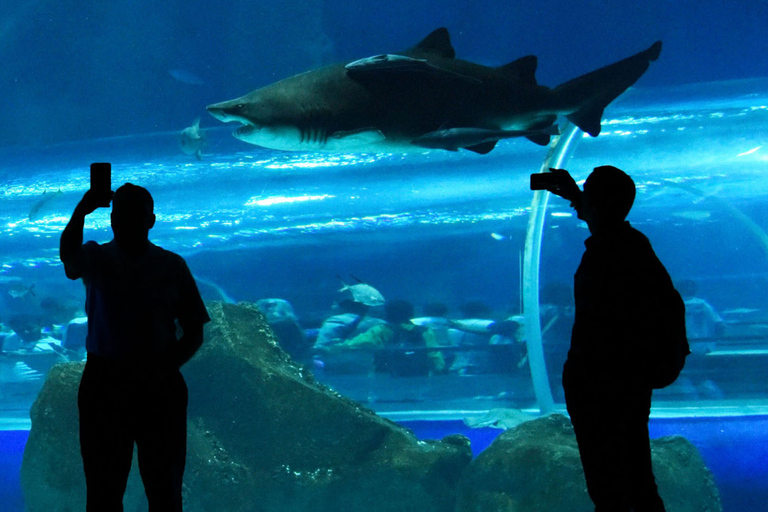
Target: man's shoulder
(636, 242)
(92, 245)
(157, 252)
(635, 234)
(95, 251)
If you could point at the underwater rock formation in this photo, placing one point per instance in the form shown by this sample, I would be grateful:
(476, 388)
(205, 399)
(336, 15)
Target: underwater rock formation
(535, 467)
(52, 475)
(263, 436)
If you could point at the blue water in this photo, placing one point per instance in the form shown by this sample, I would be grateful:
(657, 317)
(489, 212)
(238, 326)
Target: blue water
(734, 448)
(288, 224)
(139, 67)
(292, 222)
(118, 82)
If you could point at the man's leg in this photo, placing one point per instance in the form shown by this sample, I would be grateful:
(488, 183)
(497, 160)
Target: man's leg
(600, 444)
(643, 491)
(105, 440)
(162, 442)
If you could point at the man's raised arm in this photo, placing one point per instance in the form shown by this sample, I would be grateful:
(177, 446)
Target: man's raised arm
(71, 243)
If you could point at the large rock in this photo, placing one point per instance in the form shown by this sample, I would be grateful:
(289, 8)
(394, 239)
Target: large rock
(535, 467)
(52, 471)
(263, 436)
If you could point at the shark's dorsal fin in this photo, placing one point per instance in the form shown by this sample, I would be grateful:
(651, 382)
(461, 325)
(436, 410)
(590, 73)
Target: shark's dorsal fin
(522, 70)
(437, 43)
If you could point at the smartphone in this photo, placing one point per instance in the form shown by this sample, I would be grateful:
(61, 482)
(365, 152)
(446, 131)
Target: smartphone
(543, 181)
(101, 181)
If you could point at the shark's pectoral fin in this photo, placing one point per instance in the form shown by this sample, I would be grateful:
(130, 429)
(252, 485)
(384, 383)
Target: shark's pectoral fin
(484, 148)
(360, 137)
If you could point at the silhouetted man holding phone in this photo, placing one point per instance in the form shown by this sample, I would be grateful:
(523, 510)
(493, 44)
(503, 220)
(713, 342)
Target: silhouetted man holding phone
(132, 390)
(606, 389)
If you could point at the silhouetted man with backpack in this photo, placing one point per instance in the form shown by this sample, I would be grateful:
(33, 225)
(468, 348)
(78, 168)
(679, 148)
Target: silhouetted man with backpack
(609, 375)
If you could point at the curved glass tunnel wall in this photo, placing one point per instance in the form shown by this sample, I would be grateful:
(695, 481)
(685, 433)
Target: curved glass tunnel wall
(443, 227)
(697, 154)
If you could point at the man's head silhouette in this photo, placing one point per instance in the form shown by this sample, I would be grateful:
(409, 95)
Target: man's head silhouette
(609, 194)
(132, 217)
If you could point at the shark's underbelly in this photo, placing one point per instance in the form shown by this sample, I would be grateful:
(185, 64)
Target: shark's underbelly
(373, 130)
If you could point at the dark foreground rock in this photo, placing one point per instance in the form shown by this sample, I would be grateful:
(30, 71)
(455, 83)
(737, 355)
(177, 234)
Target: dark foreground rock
(535, 467)
(263, 436)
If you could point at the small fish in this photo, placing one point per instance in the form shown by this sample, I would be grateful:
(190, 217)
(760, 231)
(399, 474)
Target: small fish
(498, 418)
(193, 140)
(386, 61)
(186, 77)
(363, 293)
(45, 199)
(480, 140)
(20, 291)
(739, 311)
(401, 63)
(699, 215)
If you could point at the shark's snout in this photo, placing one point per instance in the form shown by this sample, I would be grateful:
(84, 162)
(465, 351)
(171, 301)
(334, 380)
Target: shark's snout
(225, 111)
(232, 111)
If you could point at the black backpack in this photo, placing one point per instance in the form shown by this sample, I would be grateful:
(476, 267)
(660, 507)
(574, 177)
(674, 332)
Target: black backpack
(668, 345)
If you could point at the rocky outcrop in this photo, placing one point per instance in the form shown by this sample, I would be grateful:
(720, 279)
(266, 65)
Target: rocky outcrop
(263, 436)
(535, 467)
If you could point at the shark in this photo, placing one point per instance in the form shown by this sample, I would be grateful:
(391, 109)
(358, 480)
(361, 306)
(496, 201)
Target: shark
(394, 102)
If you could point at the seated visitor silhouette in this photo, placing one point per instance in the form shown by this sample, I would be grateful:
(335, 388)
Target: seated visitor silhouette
(617, 284)
(702, 322)
(351, 319)
(284, 323)
(132, 390)
(398, 334)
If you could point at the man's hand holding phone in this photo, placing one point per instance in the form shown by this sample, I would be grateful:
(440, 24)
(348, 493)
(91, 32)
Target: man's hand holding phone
(559, 182)
(100, 194)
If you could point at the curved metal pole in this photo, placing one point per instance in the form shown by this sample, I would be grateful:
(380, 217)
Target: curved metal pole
(531, 259)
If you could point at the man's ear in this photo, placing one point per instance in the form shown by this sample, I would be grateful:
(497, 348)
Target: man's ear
(152, 220)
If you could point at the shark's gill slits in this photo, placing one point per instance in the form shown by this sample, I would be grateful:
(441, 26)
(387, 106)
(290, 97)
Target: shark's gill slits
(313, 135)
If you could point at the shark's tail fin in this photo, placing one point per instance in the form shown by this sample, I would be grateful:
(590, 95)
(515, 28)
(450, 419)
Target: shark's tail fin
(584, 98)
